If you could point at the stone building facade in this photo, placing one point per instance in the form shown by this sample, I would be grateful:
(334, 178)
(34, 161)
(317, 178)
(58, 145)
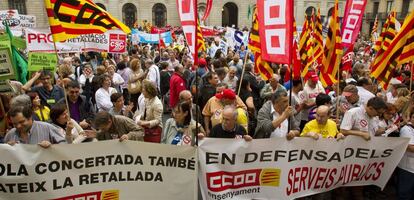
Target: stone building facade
(223, 13)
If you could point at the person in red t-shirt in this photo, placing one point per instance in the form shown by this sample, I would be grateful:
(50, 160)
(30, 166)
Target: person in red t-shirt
(177, 84)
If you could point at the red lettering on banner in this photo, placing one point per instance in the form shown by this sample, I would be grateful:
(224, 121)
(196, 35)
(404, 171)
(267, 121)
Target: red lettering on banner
(352, 21)
(275, 42)
(274, 11)
(186, 6)
(189, 37)
(308, 178)
(276, 20)
(220, 181)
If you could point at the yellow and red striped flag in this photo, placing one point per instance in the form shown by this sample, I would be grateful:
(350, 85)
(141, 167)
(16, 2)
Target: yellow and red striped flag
(304, 37)
(390, 29)
(374, 34)
(201, 45)
(69, 19)
(332, 51)
(260, 66)
(400, 51)
(318, 38)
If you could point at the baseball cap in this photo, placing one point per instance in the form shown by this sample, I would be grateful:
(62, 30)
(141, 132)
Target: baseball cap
(226, 94)
(313, 76)
(349, 90)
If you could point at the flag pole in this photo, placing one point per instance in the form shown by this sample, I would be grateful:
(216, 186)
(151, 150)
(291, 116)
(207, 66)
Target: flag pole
(411, 75)
(337, 97)
(290, 94)
(244, 67)
(63, 82)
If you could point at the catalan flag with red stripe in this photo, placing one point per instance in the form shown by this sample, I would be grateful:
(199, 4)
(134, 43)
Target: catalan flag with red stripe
(332, 51)
(201, 46)
(303, 41)
(262, 67)
(69, 19)
(374, 34)
(400, 51)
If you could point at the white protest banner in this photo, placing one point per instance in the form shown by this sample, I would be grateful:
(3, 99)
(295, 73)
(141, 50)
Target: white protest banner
(112, 41)
(223, 46)
(281, 169)
(15, 20)
(98, 170)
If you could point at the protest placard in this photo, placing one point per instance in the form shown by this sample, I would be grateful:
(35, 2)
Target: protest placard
(282, 169)
(112, 41)
(6, 66)
(127, 170)
(42, 61)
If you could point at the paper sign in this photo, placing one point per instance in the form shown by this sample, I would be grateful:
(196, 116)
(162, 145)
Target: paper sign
(42, 61)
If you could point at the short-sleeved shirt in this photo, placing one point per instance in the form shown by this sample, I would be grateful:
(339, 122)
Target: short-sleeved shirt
(327, 130)
(40, 131)
(219, 132)
(48, 98)
(309, 94)
(214, 108)
(407, 161)
(358, 119)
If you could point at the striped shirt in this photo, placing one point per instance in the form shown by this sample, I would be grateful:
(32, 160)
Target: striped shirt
(40, 131)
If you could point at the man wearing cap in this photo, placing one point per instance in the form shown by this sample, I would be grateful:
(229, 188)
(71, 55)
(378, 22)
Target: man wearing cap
(349, 99)
(213, 109)
(308, 96)
(392, 94)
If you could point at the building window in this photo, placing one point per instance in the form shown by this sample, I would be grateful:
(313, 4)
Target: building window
(230, 13)
(389, 6)
(159, 15)
(309, 11)
(101, 5)
(405, 7)
(129, 14)
(19, 5)
(375, 8)
(201, 9)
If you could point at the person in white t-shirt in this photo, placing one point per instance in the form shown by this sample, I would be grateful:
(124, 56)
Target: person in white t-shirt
(103, 94)
(405, 187)
(364, 86)
(363, 121)
(308, 96)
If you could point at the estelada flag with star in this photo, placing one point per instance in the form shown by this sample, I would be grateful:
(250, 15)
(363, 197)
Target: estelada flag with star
(71, 18)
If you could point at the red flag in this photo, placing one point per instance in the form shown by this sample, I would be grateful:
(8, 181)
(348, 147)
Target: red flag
(354, 12)
(187, 10)
(209, 4)
(346, 60)
(161, 42)
(276, 28)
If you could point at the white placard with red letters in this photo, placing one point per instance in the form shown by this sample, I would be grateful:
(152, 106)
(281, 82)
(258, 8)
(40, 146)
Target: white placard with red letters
(112, 41)
(280, 169)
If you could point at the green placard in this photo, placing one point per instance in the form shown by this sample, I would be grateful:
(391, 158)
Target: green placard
(5, 41)
(42, 61)
(19, 43)
(6, 66)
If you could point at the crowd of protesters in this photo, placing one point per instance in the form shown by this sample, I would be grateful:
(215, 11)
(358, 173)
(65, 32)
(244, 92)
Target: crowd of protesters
(126, 96)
